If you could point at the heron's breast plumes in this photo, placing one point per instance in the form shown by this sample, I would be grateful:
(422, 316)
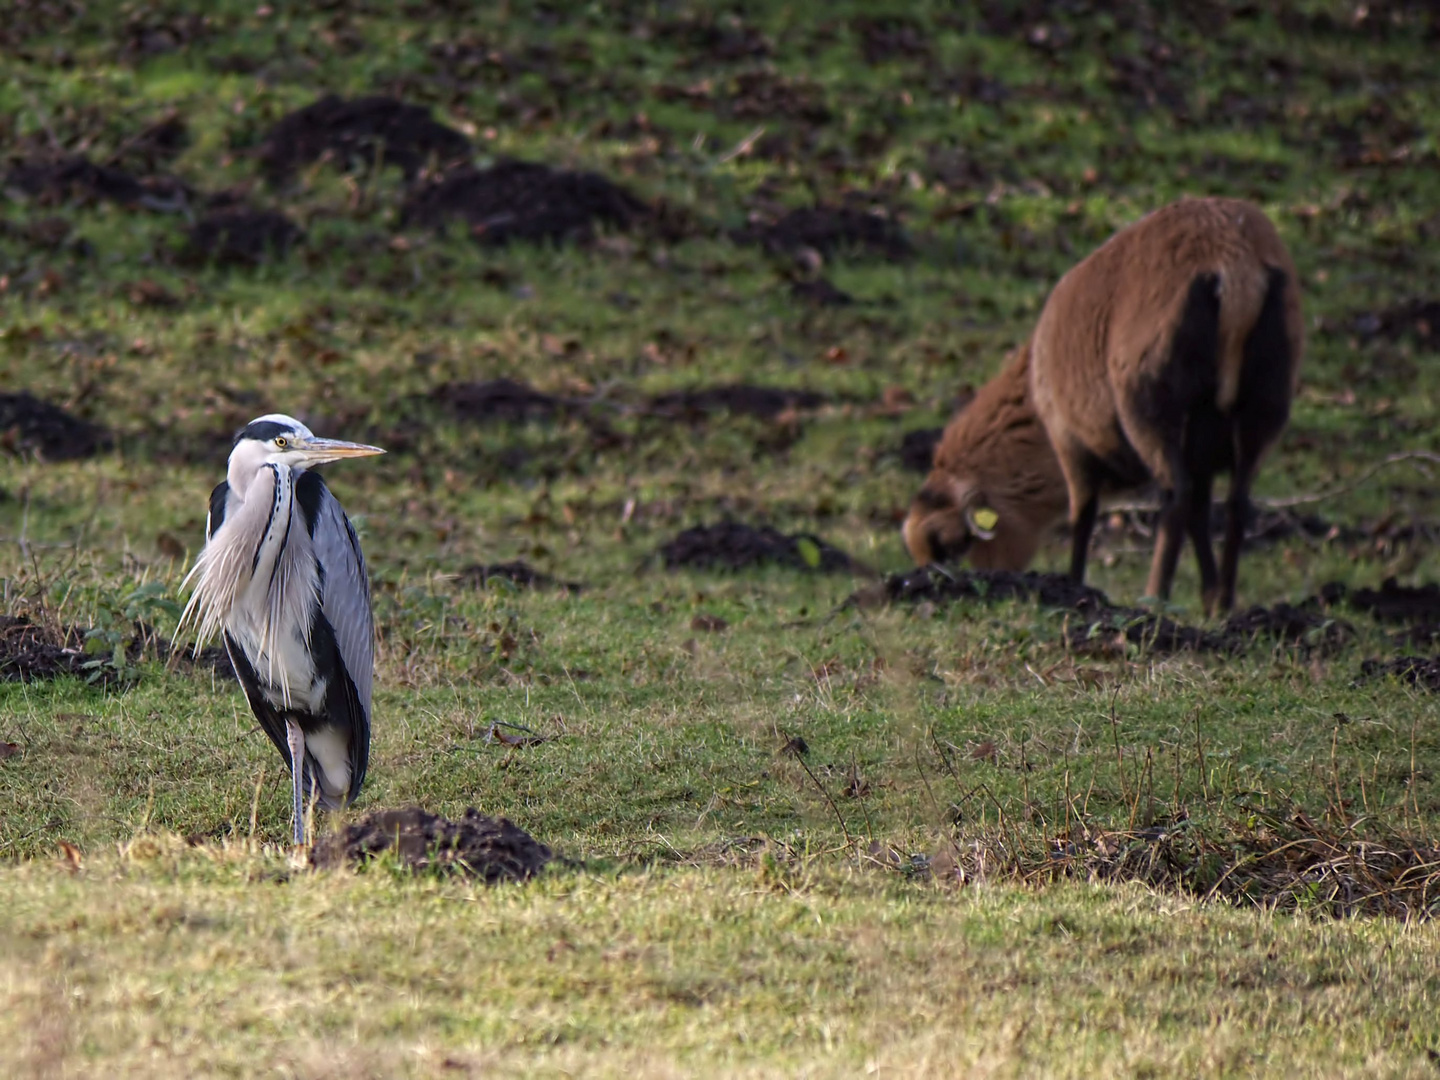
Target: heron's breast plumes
(257, 579)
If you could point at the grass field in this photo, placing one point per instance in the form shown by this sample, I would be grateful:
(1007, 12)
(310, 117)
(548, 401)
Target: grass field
(1007, 848)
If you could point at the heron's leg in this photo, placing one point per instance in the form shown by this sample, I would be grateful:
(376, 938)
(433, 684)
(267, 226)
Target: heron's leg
(296, 739)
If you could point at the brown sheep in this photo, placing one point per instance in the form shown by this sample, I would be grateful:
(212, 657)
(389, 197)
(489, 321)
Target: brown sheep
(1170, 354)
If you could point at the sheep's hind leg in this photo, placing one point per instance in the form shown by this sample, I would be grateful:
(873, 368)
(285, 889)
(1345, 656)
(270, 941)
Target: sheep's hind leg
(1199, 528)
(1169, 536)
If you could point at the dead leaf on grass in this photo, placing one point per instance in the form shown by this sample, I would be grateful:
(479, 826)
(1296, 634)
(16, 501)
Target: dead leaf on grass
(170, 545)
(496, 734)
(986, 751)
(795, 746)
(857, 787)
(147, 293)
(708, 623)
(74, 861)
(8, 750)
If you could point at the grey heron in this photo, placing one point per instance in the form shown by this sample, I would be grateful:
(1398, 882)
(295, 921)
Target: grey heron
(282, 577)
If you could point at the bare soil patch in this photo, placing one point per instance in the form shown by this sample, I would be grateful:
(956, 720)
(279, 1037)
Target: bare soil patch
(1420, 671)
(740, 399)
(492, 849)
(240, 236)
(76, 179)
(509, 400)
(1417, 319)
(1106, 628)
(821, 292)
(1392, 602)
(30, 652)
(497, 399)
(154, 145)
(731, 545)
(526, 201)
(711, 39)
(30, 425)
(1286, 862)
(359, 135)
(937, 586)
(830, 230)
(891, 37)
(518, 573)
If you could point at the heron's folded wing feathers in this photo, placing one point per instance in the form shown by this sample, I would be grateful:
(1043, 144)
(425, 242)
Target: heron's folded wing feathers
(271, 722)
(345, 598)
(345, 603)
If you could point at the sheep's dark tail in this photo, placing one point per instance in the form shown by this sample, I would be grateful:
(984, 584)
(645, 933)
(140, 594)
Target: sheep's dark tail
(1262, 409)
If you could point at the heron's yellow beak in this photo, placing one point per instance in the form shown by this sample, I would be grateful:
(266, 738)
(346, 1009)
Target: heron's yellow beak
(319, 451)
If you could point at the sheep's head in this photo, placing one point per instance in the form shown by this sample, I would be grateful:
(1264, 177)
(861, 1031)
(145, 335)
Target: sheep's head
(952, 519)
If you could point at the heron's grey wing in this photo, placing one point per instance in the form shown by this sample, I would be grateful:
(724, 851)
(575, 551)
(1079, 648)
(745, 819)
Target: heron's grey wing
(345, 603)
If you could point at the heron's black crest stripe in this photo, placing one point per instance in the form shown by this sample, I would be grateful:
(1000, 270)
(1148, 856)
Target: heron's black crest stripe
(310, 492)
(218, 498)
(262, 431)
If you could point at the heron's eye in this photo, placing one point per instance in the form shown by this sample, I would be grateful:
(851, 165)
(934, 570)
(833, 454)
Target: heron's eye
(281, 442)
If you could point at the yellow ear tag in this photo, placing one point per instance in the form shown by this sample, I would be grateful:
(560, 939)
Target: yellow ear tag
(985, 518)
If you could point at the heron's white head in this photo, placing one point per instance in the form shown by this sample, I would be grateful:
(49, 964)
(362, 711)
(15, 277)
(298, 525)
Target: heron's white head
(277, 439)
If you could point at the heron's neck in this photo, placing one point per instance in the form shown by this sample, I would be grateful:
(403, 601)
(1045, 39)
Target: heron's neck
(276, 533)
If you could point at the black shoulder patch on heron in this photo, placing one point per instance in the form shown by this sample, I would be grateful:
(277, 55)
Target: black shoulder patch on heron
(310, 492)
(262, 431)
(218, 498)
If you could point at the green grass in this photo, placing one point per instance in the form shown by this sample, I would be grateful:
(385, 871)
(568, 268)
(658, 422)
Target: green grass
(740, 911)
(739, 971)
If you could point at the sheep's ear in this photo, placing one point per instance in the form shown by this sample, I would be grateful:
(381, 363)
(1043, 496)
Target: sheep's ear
(982, 521)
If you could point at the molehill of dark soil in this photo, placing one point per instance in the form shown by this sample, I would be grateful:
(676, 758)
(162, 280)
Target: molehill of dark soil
(1274, 525)
(936, 585)
(518, 572)
(30, 425)
(710, 40)
(1295, 865)
(360, 134)
(53, 181)
(496, 399)
(240, 236)
(1392, 602)
(1418, 671)
(830, 230)
(508, 400)
(1418, 319)
(32, 653)
(492, 849)
(1105, 627)
(741, 399)
(522, 200)
(1304, 626)
(731, 545)
(821, 292)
